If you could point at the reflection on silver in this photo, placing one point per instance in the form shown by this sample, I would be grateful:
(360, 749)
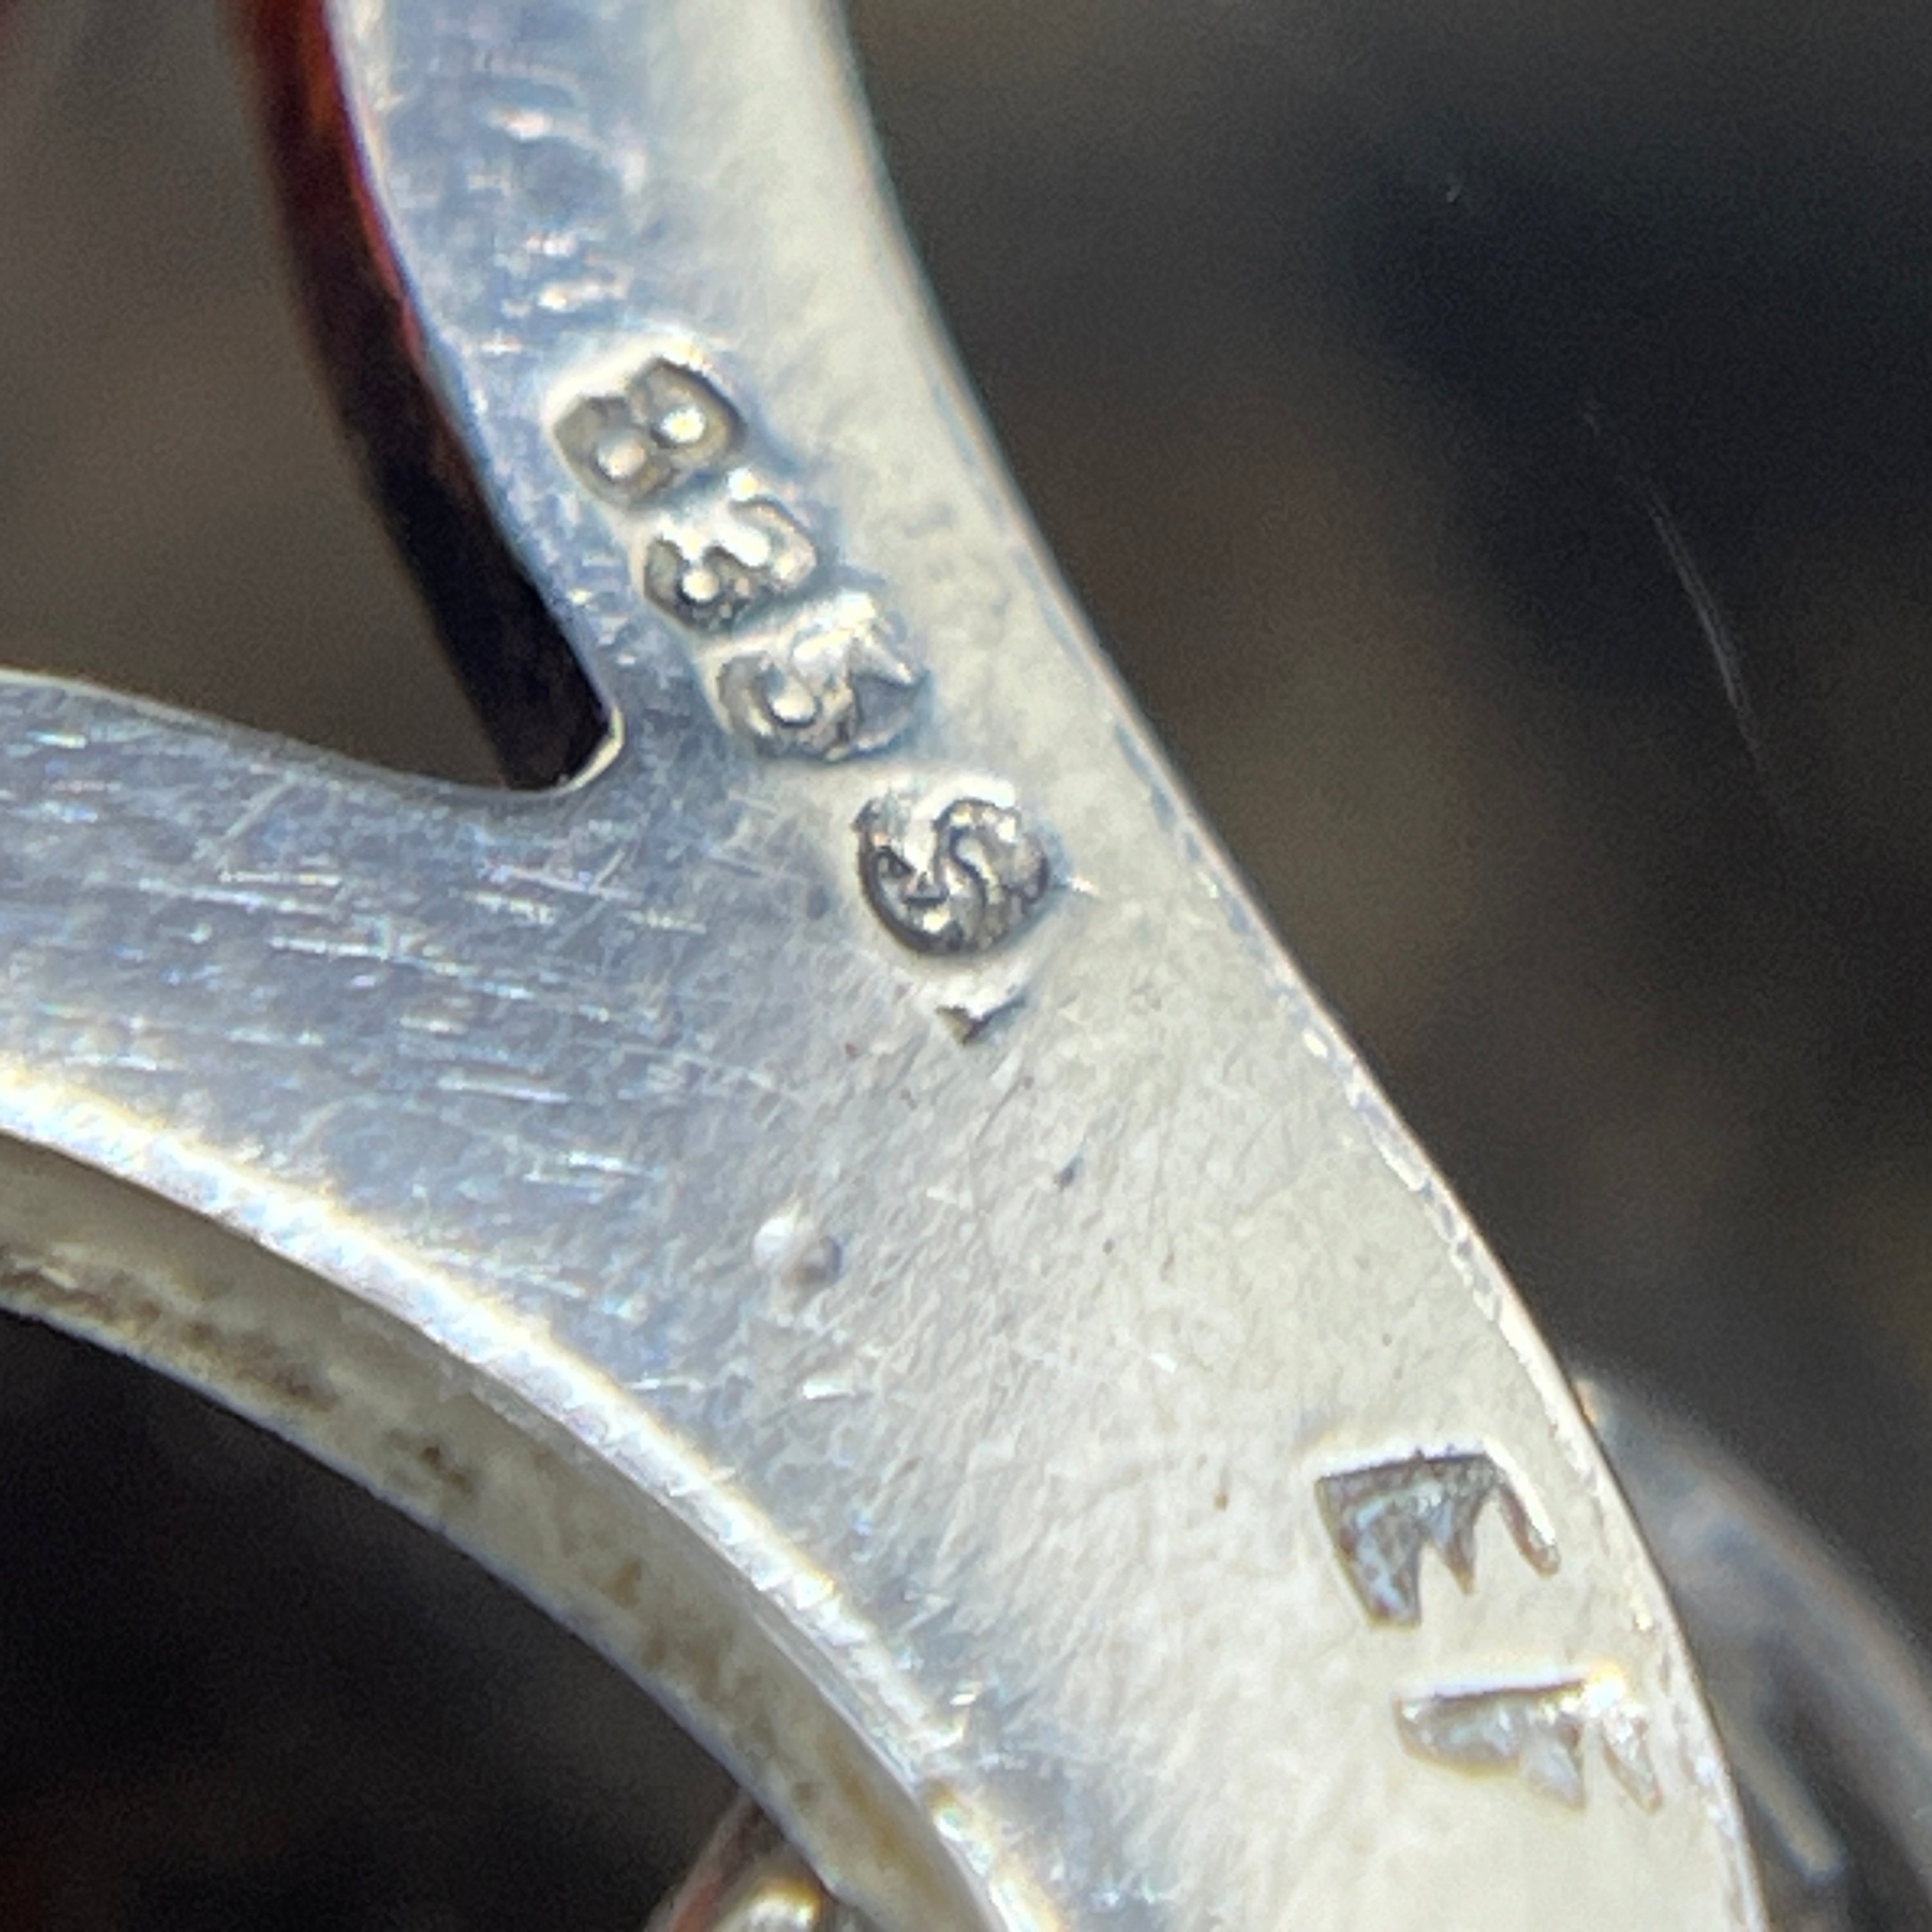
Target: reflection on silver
(1822, 1701)
(1383, 1515)
(1537, 1731)
(747, 1879)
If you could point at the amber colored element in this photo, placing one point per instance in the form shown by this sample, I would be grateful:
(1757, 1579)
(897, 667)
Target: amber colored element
(542, 716)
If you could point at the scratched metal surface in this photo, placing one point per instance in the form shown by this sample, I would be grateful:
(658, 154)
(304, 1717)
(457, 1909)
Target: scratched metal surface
(1027, 1477)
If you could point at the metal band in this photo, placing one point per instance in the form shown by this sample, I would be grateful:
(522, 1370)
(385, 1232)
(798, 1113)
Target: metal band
(898, 1255)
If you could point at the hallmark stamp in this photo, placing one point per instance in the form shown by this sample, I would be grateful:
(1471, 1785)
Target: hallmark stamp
(750, 552)
(798, 666)
(958, 882)
(1538, 1732)
(828, 675)
(836, 686)
(665, 426)
(1383, 1516)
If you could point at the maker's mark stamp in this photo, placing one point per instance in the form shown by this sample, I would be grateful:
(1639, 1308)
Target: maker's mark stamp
(1382, 1517)
(1537, 1731)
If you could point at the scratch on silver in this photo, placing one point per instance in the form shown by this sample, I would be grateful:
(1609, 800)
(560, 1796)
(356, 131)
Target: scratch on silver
(971, 1020)
(1383, 1516)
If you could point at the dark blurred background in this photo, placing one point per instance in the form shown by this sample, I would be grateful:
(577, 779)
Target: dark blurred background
(1496, 439)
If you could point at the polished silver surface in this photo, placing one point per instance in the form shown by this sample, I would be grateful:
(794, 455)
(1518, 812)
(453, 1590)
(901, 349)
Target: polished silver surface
(922, 1368)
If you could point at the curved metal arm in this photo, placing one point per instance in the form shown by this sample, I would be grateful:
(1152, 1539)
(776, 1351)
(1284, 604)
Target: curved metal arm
(845, 1201)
